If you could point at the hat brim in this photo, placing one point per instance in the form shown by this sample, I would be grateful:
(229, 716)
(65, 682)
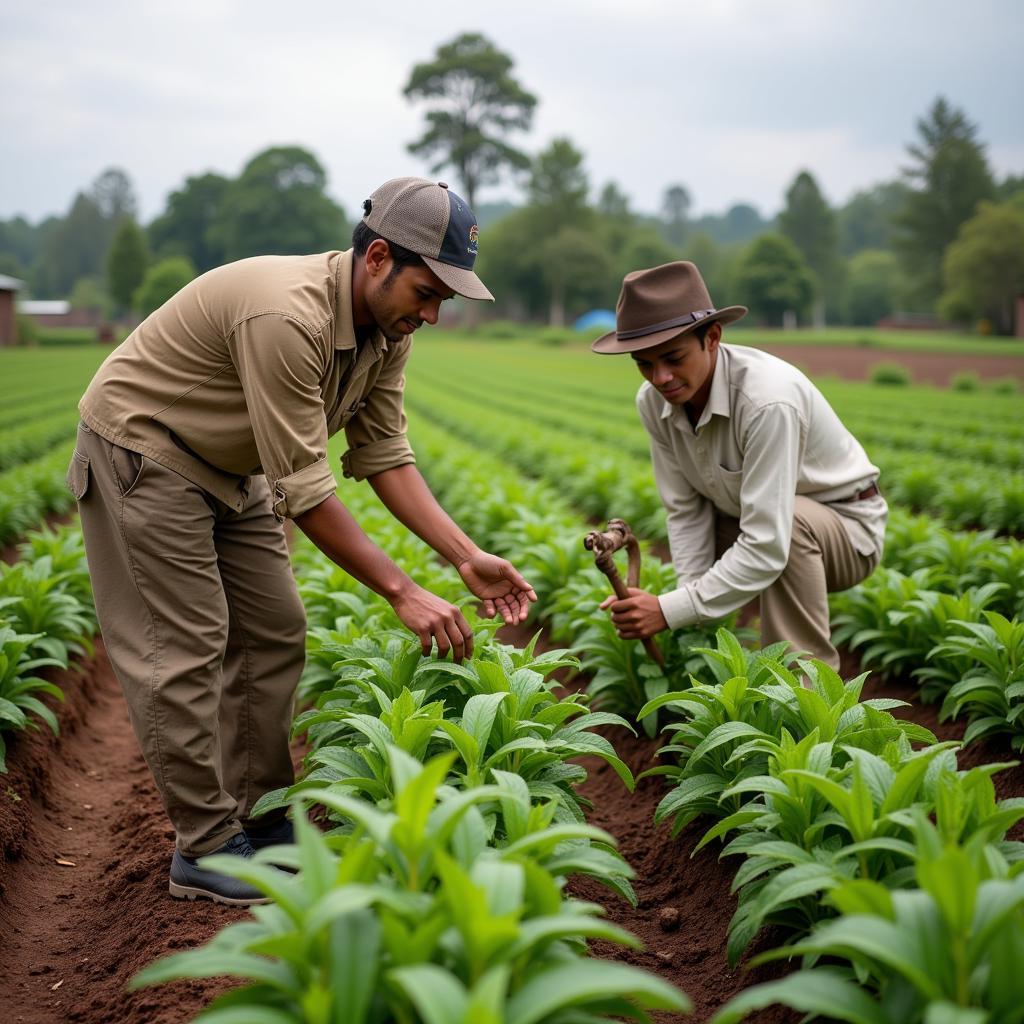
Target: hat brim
(610, 345)
(462, 282)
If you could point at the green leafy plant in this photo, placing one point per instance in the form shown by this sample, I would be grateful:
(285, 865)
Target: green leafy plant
(947, 951)
(19, 685)
(991, 690)
(412, 917)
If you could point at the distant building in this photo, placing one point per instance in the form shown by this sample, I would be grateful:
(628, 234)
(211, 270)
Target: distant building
(58, 313)
(9, 286)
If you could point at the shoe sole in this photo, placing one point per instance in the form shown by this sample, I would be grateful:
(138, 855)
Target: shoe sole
(188, 892)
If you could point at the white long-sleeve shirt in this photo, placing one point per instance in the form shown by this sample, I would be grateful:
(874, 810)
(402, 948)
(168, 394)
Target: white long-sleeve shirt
(766, 435)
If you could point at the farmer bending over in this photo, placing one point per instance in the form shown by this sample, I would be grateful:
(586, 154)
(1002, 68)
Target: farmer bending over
(207, 429)
(767, 493)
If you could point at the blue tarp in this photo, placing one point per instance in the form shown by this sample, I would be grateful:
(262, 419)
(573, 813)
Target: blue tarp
(596, 318)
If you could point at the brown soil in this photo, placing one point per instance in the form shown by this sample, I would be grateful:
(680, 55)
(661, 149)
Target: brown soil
(937, 368)
(75, 934)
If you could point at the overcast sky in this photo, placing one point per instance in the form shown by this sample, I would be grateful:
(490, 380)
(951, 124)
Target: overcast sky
(730, 97)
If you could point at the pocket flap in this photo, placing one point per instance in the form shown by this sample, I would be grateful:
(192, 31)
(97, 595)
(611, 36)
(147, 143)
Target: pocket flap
(78, 475)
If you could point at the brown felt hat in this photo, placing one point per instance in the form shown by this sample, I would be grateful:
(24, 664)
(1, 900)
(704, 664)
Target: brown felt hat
(662, 303)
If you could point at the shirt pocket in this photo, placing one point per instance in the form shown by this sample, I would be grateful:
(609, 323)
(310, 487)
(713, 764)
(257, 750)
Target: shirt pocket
(730, 481)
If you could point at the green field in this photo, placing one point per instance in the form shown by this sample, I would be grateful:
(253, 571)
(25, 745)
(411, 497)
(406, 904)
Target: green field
(466, 796)
(889, 341)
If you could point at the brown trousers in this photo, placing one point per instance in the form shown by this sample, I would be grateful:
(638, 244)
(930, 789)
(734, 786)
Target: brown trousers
(205, 630)
(822, 560)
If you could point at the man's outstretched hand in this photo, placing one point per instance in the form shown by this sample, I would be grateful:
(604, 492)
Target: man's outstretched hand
(497, 583)
(636, 617)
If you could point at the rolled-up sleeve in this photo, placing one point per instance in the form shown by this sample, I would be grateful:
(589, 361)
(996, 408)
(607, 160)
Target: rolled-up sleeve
(377, 433)
(771, 457)
(280, 364)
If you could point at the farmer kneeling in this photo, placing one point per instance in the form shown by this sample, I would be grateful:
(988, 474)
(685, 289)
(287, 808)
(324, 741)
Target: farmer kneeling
(767, 493)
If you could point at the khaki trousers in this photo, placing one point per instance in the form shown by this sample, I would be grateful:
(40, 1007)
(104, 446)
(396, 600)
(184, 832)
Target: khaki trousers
(822, 560)
(205, 630)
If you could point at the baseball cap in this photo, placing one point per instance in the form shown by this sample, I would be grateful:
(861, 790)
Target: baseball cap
(429, 219)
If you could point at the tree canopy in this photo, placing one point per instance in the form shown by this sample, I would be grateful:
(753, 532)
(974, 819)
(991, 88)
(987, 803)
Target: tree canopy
(949, 176)
(162, 280)
(278, 205)
(183, 229)
(809, 223)
(984, 267)
(126, 263)
(675, 211)
(773, 279)
(475, 105)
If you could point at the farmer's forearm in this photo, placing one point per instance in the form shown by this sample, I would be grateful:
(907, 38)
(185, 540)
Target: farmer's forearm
(407, 496)
(331, 527)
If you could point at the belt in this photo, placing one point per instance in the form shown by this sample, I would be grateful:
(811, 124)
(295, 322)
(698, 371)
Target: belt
(868, 492)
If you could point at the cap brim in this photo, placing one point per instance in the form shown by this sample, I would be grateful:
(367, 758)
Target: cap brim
(610, 345)
(462, 282)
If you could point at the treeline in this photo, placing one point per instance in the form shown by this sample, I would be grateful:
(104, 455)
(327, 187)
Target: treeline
(944, 239)
(99, 257)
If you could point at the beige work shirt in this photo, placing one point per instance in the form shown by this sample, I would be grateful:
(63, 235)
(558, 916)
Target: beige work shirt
(766, 435)
(249, 369)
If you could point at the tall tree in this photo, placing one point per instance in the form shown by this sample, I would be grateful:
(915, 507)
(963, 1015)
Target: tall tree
(949, 177)
(809, 223)
(617, 221)
(872, 285)
(112, 192)
(75, 247)
(20, 240)
(558, 185)
(576, 269)
(278, 205)
(740, 224)
(984, 266)
(867, 219)
(675, 209)
(773, 279)
(183, 229)
(126, 264)
(476, 105)
(644, 248)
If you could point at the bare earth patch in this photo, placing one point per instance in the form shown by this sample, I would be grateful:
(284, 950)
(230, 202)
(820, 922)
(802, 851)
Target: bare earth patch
(936, 368)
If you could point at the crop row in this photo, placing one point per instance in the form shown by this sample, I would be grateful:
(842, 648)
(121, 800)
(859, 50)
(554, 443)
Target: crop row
(828, 801)
(29, 441)
(954, 646)
(46, 618)
(612, 417)
(30, 492)
(609, 385)
(378, 693)
(888, 860)
(952, 623)
(598, 471)
(438, 895)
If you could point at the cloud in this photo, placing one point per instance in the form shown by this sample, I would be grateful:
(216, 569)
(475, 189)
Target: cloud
(730, 97)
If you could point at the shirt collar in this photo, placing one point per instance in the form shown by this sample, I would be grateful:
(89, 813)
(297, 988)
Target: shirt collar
(344, 329)
(718, 400)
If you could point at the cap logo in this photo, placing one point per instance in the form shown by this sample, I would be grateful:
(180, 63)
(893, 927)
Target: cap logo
(474, 234)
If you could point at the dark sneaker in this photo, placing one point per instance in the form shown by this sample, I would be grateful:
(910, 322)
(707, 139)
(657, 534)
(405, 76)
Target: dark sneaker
(189, 881)
(276, 834)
